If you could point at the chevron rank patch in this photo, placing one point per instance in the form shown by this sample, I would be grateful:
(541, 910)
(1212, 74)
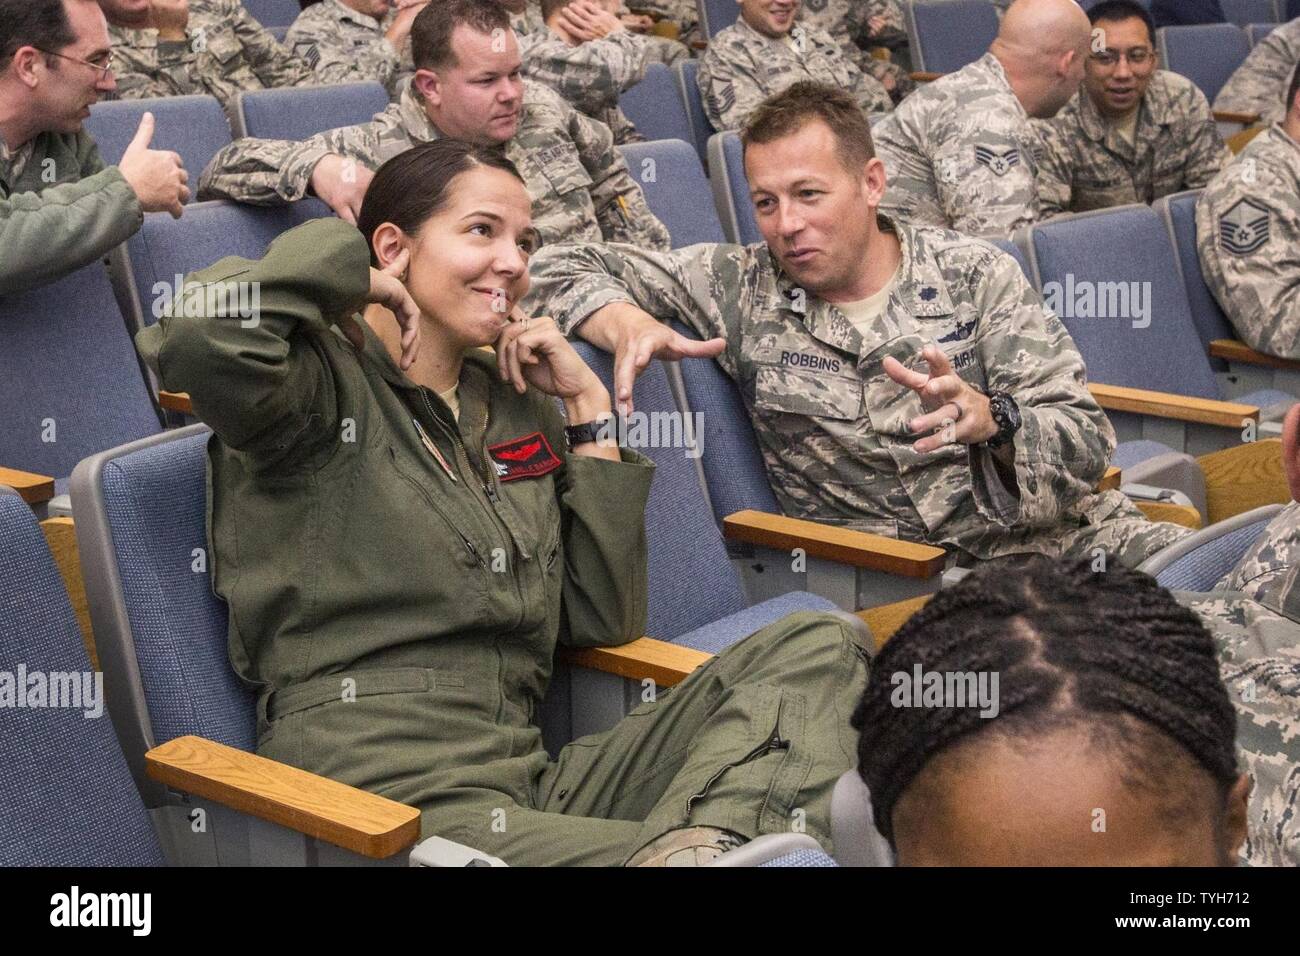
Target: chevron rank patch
(527, 457)
(308, 52)
(1244, 228)
(999, 163)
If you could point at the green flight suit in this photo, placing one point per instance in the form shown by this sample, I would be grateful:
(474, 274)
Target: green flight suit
(399, 603)
(60, 208)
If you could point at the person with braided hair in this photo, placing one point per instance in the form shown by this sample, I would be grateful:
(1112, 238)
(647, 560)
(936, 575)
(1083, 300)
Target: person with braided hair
(1111, 742)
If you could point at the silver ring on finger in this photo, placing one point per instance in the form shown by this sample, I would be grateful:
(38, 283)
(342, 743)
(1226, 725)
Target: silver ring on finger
(960, 411)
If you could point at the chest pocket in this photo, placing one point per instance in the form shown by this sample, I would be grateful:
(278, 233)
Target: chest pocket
(556, 169)
(225, 48)
(815, 394)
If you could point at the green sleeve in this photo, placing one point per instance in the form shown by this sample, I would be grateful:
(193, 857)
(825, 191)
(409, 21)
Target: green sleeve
(48, 234)
(237, 340)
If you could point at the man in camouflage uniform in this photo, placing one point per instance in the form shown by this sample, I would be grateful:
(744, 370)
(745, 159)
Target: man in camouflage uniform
(175, 47)
(1133, 133)
(765, 51)
(352, 41)
(858, 26)
(61, 207)
(962, 153)
(580, 186)
(1254, 614)
(1258, 84)
(829, 329)
(1248, 236)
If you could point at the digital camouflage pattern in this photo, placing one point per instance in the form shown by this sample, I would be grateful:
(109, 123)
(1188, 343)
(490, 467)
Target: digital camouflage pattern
(1176, 146)
(344, 46)
(741, 68)
(848, 22)
(1259, 85)
(60, 208)
(590, 75)
(1255, 618)
(227, 52)
(962, 153)
(832, 425)
(580, 185)
(1248, 240)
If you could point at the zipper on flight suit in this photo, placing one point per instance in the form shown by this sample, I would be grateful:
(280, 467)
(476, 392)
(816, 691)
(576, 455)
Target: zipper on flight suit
(773, 742)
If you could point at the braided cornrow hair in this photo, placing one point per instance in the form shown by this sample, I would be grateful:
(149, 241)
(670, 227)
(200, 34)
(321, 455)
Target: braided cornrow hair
(1069, 646)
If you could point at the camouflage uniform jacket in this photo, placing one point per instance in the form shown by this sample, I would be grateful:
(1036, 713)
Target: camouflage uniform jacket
(60, 209)
(580, 185)
(1176, 146)
(741, 68)
(1248, 239)
(833, 427)
(1259, 84)
(227, 52)
(961, 152)
(1255, 617)
(847, 21)
(344, 46)
(590, 75)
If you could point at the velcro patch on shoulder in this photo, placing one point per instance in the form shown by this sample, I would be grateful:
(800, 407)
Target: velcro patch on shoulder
(999, 163)
(527, 457)
(1244, 228)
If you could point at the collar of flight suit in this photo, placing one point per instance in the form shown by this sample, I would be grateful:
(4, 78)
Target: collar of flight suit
(145, 38)
(343, 13)
(761, 41)
(1279, 131)
(1153, 112)
(919, 291)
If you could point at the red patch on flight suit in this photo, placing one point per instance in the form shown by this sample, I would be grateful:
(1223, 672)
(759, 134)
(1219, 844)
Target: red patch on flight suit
(527, 457)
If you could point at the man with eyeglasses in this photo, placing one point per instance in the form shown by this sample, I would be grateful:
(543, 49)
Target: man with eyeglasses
(179, 47)
(60, 206)
(1134, 132)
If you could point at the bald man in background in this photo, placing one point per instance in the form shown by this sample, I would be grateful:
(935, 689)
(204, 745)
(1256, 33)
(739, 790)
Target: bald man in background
(962, 153)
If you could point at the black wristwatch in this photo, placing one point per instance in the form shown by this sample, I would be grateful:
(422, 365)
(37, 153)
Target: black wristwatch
(575, 435)
(1006, 413)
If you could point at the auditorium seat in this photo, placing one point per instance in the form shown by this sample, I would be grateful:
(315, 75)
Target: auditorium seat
(72, 384)
(66, 796)
(300, 112)
(945, 35)
(731, 188)
(1257, 31)
(655, 106)
(717, 15)
(1245, 12)
(676, 189)
(193, 126)
(685, 73)
(274, 13)
(1207, 54)
(1201, 561)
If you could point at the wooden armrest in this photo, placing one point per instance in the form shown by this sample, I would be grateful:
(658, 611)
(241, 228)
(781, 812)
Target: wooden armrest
(699, 44)
(665, 664)
(924, 76)
(1234, 350)
(1111, 480)
(1228, 116)
(885, 619)
(1185, 515)
(1183, 408)
(858, 548)
(362, 822)
(33, 489)
(176, 402)
(1243, 477)
(1243, 138)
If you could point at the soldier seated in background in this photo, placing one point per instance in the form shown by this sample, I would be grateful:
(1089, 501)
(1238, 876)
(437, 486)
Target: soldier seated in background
(859, 26)
(1258, 84)
(1101, 734)
(178, 47)
(961, 152)
(901, 380)
(590, 74)
(765, 51)
(1133, 133)
(1248, 236)
(468, 87)
(351, 41)
(61, 206)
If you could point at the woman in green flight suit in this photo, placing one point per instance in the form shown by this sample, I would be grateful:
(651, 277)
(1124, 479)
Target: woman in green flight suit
(402, 539)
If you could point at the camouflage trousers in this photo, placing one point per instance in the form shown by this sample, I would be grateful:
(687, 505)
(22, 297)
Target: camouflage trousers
(753, 742)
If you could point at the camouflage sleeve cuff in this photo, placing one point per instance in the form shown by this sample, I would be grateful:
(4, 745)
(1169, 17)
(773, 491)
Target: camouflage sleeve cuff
(295, 175)
(586, 298)
(994, 501)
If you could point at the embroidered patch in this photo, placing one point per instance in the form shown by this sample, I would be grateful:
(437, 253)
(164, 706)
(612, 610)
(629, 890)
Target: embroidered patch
(1244, 228)
(308, 52)
(962, 331)
(527, 457)
(999, 163)
(928, 293)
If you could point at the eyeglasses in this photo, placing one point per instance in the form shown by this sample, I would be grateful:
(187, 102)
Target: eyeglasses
(103, 69)
(1138, 56)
